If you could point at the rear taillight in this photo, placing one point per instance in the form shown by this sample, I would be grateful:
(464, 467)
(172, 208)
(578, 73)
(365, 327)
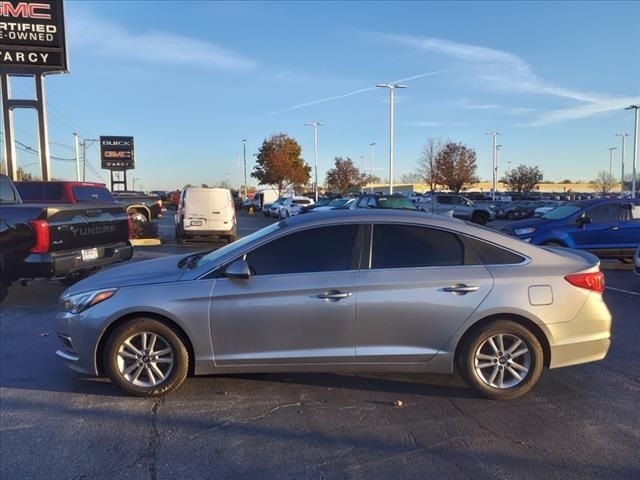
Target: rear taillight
(41, 231)
(591, 281)
(159, 202)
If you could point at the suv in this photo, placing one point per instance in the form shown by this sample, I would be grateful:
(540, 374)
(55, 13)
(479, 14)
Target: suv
(461, 207)
(609, 228)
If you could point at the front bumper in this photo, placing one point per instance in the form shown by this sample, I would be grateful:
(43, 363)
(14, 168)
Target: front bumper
(77, 340)
(60, 264)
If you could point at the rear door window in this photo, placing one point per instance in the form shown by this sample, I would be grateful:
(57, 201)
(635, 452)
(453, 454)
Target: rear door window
(607, 213)
(408, 246)
(7, 194)
(40, 192)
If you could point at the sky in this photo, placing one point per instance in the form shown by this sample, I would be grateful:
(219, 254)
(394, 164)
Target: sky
(190, 80)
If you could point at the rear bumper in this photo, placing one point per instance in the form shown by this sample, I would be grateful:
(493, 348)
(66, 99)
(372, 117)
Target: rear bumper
(192, 232)
(60, 264)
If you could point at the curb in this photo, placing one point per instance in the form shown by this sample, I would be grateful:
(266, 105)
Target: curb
(145, 242)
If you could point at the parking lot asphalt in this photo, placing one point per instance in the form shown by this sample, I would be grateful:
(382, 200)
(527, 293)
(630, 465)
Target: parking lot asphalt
(580, 422)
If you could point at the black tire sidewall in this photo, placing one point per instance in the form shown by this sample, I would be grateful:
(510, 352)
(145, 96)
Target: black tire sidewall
(180, 354)
(467, 362)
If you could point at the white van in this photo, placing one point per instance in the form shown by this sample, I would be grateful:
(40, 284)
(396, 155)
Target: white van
(264, 196)
(205, 212)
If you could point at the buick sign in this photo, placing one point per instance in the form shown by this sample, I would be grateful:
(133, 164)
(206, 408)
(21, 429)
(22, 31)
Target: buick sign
(117, 153)
(32, 37)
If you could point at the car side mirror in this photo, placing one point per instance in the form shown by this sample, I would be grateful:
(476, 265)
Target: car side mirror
(584, 220)
(238, 269)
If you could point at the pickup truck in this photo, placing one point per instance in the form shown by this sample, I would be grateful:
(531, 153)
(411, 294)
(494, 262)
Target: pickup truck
(608, 228)
(460, 206)
(58, 240)
(142, 208)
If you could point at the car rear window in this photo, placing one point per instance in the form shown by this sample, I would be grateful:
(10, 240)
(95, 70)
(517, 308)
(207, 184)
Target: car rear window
(40, 191)
(91, 194)
(7, 194)
(492, 255)
(396, 203)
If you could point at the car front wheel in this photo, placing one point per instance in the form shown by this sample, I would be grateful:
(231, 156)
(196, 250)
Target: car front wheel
(502, 360)
(145, 357)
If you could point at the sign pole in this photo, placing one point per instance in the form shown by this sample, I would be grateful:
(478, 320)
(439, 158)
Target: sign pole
(7, 131)
(43, 129)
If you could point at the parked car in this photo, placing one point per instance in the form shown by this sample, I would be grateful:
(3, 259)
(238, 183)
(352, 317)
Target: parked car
(636, 261)
(546, 208)
(335, 204)
(388, 202)
(323, 201)
(461, 207)
(265, 195)
(358, 290)
(293, 205)
(266, 209)
(206, 212)
(609, 228)
(274, 209)
(142, 207)
(58, 240)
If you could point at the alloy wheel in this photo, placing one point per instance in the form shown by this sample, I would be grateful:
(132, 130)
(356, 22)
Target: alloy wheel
(502, 361)
(145, 359)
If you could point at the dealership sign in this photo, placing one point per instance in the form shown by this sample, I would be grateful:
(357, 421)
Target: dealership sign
(117, 153)
(32, 37)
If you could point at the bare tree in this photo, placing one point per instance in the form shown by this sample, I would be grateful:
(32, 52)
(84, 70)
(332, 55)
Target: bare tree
(427, 163)
(603, 182)
(411, 178)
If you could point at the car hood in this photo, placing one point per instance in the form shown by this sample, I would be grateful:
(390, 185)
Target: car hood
(143, 272)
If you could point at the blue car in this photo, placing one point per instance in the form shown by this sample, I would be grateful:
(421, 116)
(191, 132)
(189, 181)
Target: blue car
(609, 228)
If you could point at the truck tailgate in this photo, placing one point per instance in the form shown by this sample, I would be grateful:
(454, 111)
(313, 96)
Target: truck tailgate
(77, 227)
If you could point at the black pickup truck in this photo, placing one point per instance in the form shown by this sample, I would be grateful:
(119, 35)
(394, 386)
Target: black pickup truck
(64, 241)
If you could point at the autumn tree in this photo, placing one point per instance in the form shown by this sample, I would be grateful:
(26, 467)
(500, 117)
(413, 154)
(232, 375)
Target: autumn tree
(279, 163)
(522, 178)
(427, 163)
(345, 176)
(603, 182)
(455, 165)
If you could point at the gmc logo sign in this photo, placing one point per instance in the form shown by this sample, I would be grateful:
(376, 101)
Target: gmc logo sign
(38, 11)
(115, 154)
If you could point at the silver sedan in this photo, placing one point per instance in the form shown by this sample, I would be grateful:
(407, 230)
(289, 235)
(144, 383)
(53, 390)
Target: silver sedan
(360, 290)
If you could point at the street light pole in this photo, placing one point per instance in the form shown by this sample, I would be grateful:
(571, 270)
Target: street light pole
(373, 146)
(244, 154)
(493, 169)
(634, 173)
(315, 126)
(498, 148)
(392, 88)
(622, 135)
(611, 149)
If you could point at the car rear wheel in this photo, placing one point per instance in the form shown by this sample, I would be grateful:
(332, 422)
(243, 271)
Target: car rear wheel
(501, 360)
(145, 357)
(479, 218)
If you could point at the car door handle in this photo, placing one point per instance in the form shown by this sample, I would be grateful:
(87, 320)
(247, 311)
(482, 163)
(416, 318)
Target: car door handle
(615, 227)
(461, 288)
(334, 295)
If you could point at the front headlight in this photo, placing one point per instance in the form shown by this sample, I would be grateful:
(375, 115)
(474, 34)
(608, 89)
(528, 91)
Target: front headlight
(524, 231)
(81, 301)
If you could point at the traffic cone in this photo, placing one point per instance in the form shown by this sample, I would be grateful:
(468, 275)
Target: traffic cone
(251, 210)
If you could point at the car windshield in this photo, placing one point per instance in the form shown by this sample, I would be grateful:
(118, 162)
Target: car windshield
(396, 203)
(213, 256)
(561, 212)
(338, 202)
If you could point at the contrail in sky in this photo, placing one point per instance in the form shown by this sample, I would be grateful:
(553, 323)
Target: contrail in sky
(355, 92)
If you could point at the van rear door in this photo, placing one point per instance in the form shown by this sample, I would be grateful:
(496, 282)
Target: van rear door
(220, 216)
(196, 207)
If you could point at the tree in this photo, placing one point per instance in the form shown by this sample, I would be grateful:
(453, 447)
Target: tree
(345, 176)
(566, 180)
(603, 182)
(522, 178)
(411, 178)
(279, 163)
(455, 167)
(427, 163)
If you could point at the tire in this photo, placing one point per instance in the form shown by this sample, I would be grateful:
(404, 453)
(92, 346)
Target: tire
(553, 243)
(478, 342)
(480, 218)
(511, 216)
(4, 290)
(149, 383)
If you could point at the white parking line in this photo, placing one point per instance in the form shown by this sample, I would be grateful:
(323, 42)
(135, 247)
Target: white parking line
(629, 292)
